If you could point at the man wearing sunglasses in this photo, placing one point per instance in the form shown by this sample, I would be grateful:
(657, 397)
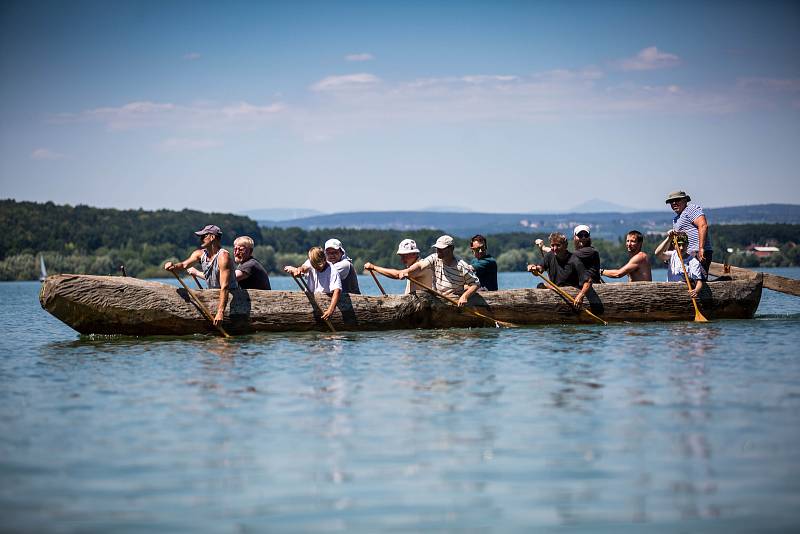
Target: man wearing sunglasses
(484, 265)
(690, 218)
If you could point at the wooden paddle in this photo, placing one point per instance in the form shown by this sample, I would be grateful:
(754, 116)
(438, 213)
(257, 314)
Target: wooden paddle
(568, 298)
(376, 282)
(304, 288)
(196, 281)
(497, 322)
(200, 305)
(771, 281)
(698, 317)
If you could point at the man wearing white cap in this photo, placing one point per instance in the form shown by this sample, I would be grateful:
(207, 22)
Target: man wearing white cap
(409, 255)
(336, 255)
(586, 260)
(451, 276)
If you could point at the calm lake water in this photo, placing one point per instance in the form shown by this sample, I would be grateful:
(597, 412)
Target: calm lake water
(636, 427)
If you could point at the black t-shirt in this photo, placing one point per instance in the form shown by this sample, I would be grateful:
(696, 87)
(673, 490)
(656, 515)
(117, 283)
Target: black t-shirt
(561, 272)
(587, 264)
(257, 276)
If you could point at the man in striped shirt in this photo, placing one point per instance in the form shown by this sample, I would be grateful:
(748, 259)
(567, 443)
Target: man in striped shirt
(452, 276)
(690, 218)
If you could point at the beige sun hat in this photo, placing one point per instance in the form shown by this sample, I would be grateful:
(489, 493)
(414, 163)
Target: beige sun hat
(678, 195)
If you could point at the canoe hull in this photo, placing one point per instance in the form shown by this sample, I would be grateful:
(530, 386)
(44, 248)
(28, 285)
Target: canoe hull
(128, 306)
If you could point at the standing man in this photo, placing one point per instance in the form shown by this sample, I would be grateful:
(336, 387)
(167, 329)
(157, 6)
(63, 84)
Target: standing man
(250, 274)
(484, 265)
(409, 255)
(452, 276)
(638, 266)
(690, 218)
(215, 263)
(556, 262)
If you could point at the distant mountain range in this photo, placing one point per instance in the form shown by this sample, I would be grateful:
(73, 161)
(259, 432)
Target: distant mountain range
(604, 224)
(280, 214)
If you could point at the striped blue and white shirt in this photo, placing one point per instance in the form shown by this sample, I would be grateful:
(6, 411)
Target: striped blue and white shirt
(684, 223)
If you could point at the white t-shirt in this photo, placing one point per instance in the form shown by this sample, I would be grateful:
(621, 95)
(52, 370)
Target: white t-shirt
(675, 271)
(451, 281)
(323, 282)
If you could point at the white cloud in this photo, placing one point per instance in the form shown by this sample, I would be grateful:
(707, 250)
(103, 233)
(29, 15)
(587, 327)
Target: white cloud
(192, 56)
(245, 110)
(650, 58)
(791, 85)
(364, 56)
(348, 81)
(178, 144)
(46, 154)
(203, 115)
(483, 78)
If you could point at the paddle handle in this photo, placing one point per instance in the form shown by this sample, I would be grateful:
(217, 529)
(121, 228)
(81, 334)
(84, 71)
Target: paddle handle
(377, 282)
(455, 303)
(569, 298)
(196, 281)
(697, 315)
(304, 288)
(200, 305)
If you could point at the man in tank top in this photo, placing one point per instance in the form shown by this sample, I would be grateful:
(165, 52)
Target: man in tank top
(216, 265)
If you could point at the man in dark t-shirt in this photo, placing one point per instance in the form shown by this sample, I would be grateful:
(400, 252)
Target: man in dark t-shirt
(587, 262)
(484, 265)
(557, 262)
(250, 274)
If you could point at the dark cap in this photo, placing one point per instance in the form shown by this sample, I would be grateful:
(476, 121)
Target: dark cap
(210, 229)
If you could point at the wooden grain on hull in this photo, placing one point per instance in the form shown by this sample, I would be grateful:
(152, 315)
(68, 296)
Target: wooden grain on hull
(128, 306)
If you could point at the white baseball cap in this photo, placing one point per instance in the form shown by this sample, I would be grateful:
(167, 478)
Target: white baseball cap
(407, 246)
(333, 243)
(444, 242)
(581, 228)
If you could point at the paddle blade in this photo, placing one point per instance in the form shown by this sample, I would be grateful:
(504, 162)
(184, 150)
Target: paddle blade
(698, 317)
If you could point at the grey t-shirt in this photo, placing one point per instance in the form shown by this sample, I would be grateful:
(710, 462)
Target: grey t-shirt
(257, 277)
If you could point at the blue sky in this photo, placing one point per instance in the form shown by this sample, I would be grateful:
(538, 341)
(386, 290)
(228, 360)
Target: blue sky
(353, 106)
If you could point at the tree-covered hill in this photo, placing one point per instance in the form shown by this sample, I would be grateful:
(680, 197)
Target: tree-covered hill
(90, 240)
(31, 227)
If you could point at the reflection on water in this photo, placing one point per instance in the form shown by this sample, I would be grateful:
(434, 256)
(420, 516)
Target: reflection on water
(682, 426)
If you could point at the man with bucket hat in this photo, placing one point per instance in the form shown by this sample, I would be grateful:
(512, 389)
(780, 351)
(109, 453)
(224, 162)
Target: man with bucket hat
(409, 255)
(452, 276)
(690, 218)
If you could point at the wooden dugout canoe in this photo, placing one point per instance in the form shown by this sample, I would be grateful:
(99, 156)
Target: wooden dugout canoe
(129, 306)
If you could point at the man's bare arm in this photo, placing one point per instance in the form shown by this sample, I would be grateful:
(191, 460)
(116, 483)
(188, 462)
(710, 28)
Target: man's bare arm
(224, 263)
(391, 273)
(181, 265)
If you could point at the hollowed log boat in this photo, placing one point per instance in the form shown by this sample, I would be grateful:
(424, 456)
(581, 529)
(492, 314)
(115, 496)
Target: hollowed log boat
(129, 306)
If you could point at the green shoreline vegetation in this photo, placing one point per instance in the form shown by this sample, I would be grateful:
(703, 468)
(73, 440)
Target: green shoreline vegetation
(86, 240)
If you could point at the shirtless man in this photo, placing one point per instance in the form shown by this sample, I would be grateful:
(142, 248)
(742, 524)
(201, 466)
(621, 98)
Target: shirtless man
(638, 266)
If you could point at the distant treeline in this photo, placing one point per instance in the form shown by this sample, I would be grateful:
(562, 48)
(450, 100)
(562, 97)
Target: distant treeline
(90, 240)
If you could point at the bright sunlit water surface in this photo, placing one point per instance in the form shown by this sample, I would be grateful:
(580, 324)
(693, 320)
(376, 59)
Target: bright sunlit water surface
(667, 427)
